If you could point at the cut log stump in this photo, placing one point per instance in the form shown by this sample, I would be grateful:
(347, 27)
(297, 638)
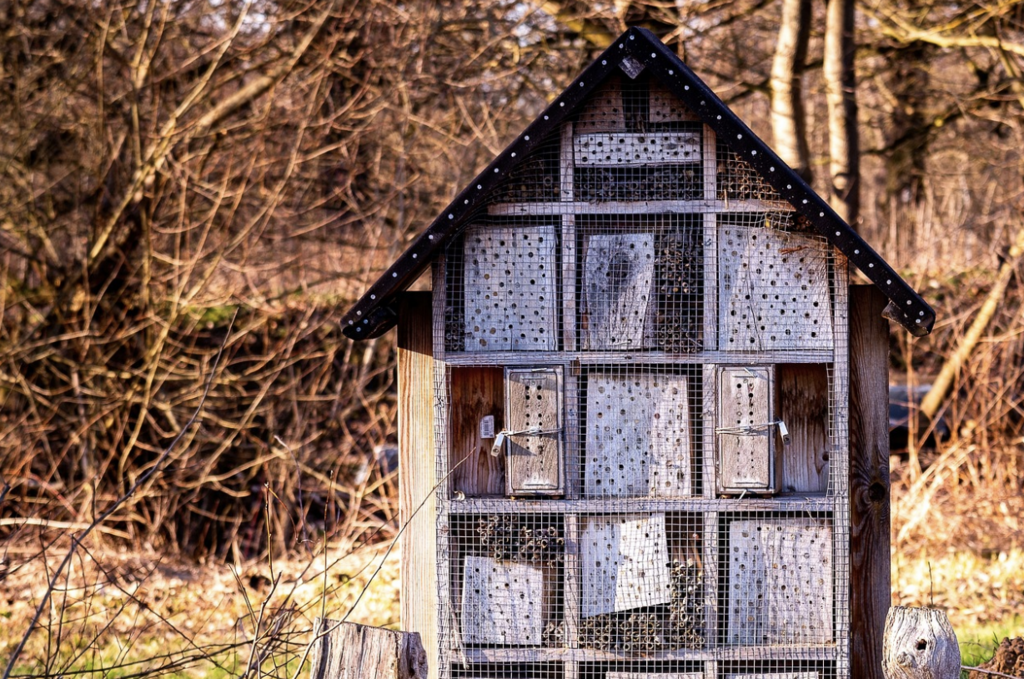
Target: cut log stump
(345, 650)
(919, 643)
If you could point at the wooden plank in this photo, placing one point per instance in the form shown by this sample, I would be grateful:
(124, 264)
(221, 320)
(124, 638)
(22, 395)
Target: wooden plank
(773, 675)
(533, 405)
(503, 358)
(709, 419)
(502, 603)
(476, 393)
(780, 582)
(623, 149)
(654, 675)
(802, 398)
(710, 174)
(711, 580)
(638, 436)
(418, 566)
(624, 562)
(603, 110)
(745, 435)
(565, 174)
(869, 479)
(571, 580)
(665, 107)
(642, 505)
(773, 290)
(510, 289)
(633, 207)
(345, 650)
(618, 276)
(839, 481)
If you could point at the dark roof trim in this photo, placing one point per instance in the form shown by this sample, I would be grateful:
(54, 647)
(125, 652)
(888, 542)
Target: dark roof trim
(374, 314)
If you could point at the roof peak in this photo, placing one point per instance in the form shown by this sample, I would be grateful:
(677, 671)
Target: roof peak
(636, 51)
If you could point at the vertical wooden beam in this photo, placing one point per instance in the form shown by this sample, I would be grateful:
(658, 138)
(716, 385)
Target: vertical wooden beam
(345, 649)
(416, 464)
(869, 479)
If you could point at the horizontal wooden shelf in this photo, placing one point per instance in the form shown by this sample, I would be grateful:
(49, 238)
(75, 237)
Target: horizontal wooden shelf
(511, 358)
(641, 505)
(554, 208)
(530, 654)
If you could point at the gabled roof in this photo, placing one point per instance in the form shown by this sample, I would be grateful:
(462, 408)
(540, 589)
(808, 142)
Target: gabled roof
(637, 50)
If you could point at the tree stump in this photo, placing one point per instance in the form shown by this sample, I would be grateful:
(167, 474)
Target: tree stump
(345, 650)
(919, 643)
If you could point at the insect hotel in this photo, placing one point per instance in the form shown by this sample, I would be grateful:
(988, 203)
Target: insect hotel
(642, 410)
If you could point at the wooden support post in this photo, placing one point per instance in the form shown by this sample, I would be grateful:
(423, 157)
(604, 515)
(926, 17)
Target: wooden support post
(920, 644)
(869, 479)
(345, 650)
(416, 464)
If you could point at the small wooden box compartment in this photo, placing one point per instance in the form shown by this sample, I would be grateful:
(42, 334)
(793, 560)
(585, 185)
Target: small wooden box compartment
(534, 414)
(502, 603)
(780, 582)
(625, 563)
(746, 430)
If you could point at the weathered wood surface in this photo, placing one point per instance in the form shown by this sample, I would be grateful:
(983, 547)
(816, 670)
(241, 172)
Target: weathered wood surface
(803, 406)
(534, 401)
(345, 650)
(780, 575)
(618, 276)
(476, 393)
(603, 110)
(919, 643)
(774, 675)
(654, 675)
(869, 479)
(416, 462)
(666, 107)
(509, 286)
(623, 149)
(773, 290)
(746, 456)
(624, 562)
(638, 436)
(502, 602)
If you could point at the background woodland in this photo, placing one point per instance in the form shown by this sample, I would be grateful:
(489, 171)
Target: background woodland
(188, 178)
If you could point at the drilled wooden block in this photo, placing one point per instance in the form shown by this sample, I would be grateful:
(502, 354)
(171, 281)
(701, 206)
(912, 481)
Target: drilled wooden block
(629, 148)
(773, 675)
(774, 291)
(746, 433)
(603, 111)
(665, 107)
(502, 603)
(638, 436)
(624, 563)
(617, 287)
(534, 403)
(509, 282)
(780, 582)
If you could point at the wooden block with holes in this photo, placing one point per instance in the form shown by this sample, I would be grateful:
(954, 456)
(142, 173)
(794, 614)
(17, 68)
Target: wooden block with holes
(637, 436)
(654, 675)
(623, 149)
(665, 107)
(502, 603)
(773, 675)
(773, 291)
(618, 274)
(510, 288)
(533, 405)
(624, 563)
(603, 110)
(780, 581)
(746, 432)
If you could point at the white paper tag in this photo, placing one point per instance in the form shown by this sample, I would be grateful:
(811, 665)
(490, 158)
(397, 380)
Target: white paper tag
(786, 440)
(499, 445)
(487, 427)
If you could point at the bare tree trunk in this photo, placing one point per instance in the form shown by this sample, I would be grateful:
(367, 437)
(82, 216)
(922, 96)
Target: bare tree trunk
(789, 122)
(840, 93)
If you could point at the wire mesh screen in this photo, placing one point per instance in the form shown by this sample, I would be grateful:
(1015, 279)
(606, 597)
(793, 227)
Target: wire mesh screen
(641, 415)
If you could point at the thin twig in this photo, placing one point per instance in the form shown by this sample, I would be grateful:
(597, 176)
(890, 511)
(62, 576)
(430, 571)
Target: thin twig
(75, 541)
(992, 672)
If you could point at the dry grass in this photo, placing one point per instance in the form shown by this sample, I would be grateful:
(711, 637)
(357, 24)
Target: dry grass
(148, 614)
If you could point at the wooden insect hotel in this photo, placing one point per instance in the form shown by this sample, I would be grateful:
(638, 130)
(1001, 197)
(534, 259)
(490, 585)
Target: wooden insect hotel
(642, 410)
